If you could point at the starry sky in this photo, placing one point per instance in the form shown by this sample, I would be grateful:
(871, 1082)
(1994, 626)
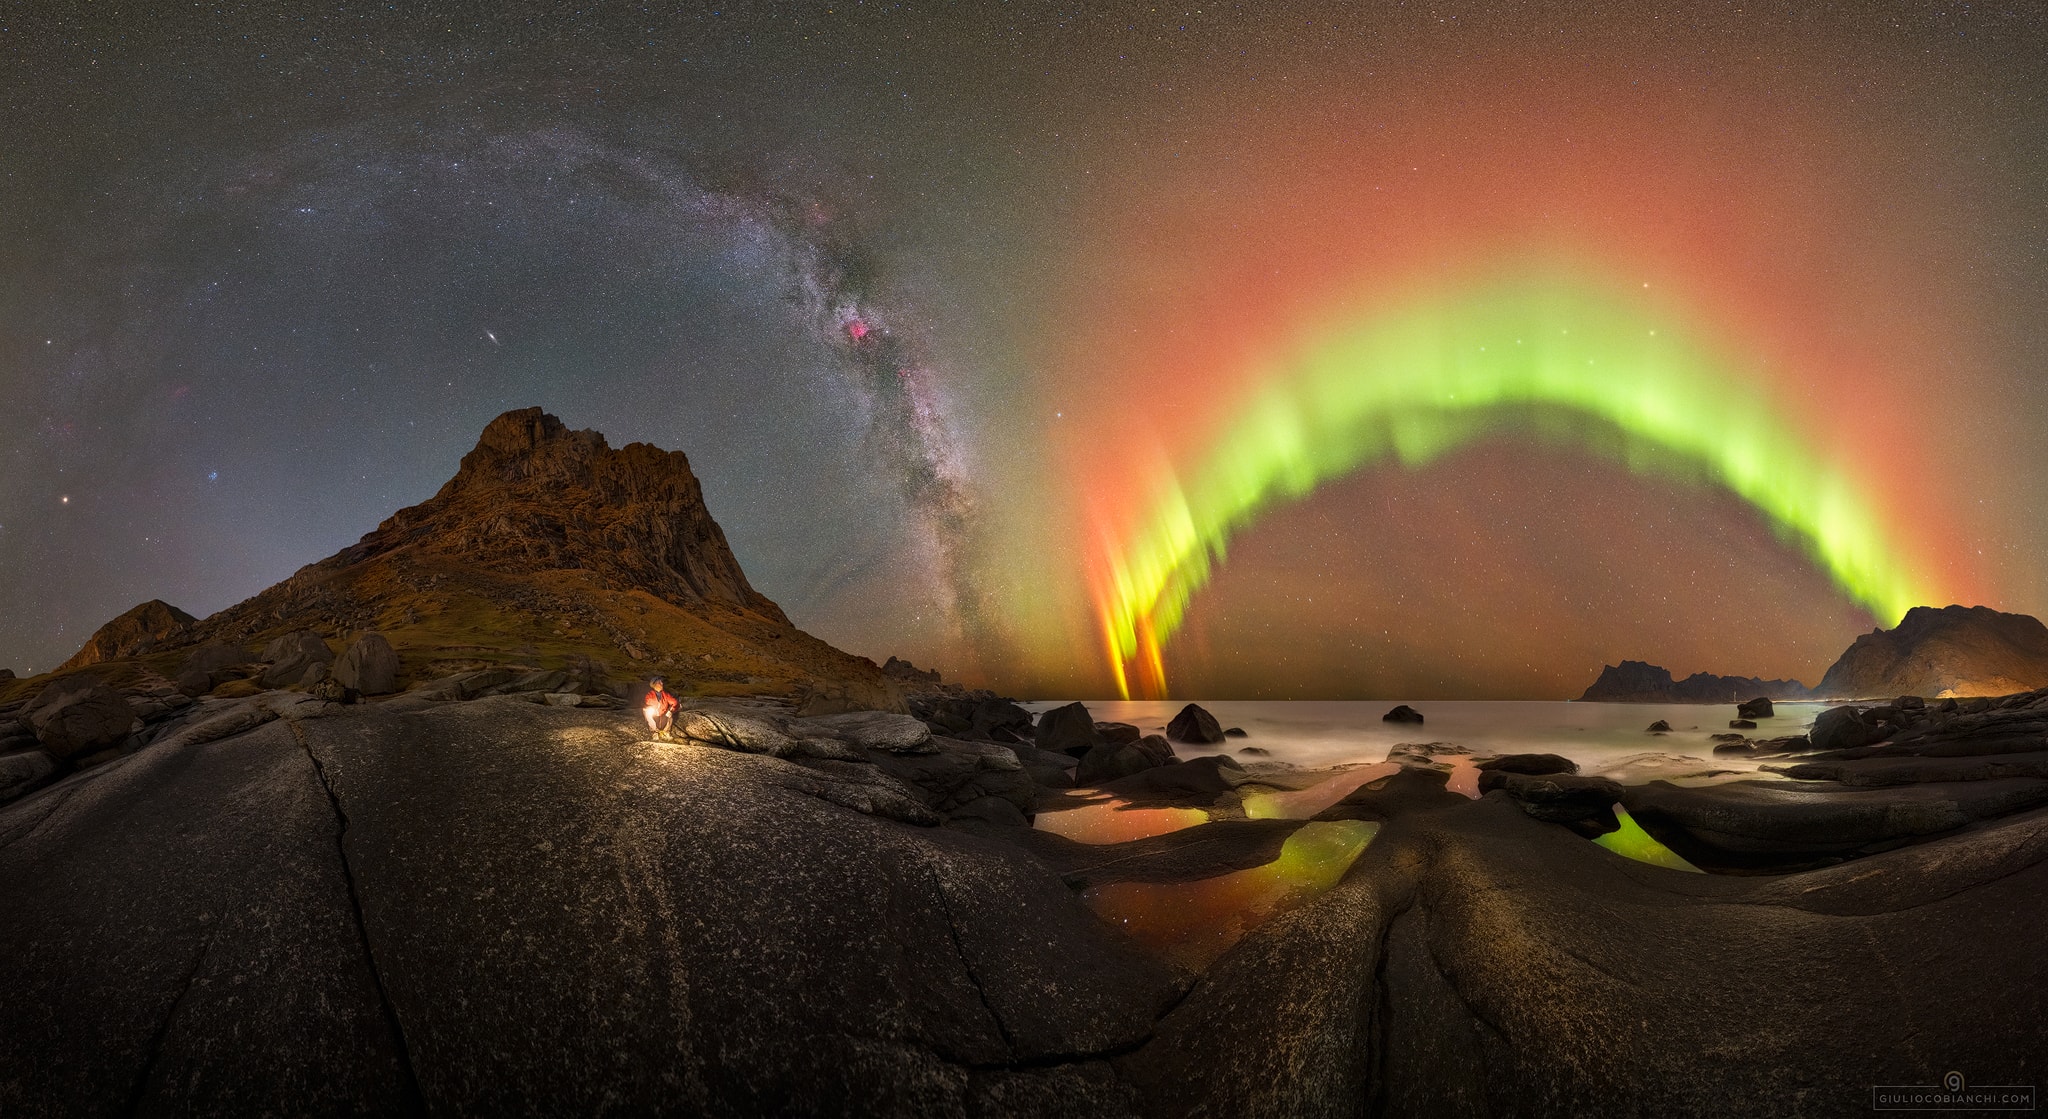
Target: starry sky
(953, 307)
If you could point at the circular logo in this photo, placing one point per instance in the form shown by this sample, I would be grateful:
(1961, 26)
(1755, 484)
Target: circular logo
(1953, 1082)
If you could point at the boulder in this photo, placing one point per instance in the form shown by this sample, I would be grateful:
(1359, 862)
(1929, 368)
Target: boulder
(1047, 769)
(732, 729)
(1758, 708)
(81, 716)
(209, 666)
(370, 665)
(1156, 748)
(1402, 714)
(1535, 765)
(1067, 730)
(1000, 720)
(152, 697)
(24, 773)
(1742, 724)
(1584, 804)
(16, 734)
(977, 716)
(878, 730)
(991, 810)
(1658, 727)
(955, 773)
(1196, 725)
(1199, 779)
(331, 690)
(1236, 732)
(1846, 728)
(289, 657)
(1118, 732)
(1110, 760)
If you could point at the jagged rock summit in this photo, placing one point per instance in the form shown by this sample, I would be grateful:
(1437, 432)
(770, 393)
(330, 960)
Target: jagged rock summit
(1951, 651)
(536, 496)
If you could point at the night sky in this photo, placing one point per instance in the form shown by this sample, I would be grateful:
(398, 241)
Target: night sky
(956, 309)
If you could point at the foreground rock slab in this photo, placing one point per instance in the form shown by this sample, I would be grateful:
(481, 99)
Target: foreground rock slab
(495, 906)
(498, 906)
(1478, 962)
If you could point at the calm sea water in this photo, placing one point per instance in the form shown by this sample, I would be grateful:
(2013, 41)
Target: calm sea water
(1601, 737)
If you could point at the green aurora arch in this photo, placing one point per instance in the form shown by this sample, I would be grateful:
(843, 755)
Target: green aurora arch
(1562, 359)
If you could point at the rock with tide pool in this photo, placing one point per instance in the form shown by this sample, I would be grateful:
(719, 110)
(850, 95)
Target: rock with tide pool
(1535, 765)
(1412, 789)
(1196, 778)
(1779, 825)
(1584, 804)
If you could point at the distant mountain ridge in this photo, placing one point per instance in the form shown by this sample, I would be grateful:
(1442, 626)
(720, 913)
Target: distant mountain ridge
(1934, 652)
(1642, 682)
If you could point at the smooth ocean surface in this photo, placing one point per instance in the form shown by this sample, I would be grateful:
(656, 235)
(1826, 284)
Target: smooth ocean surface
(1601, 737)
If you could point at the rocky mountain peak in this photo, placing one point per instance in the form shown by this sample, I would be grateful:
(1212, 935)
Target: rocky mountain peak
(139, 630)
(535, 495)
(1950, 650)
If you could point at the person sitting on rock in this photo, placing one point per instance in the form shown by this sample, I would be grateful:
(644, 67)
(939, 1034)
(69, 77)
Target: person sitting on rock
(659, 707)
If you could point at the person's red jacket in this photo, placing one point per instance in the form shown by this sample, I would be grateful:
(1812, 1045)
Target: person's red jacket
(660, 701)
